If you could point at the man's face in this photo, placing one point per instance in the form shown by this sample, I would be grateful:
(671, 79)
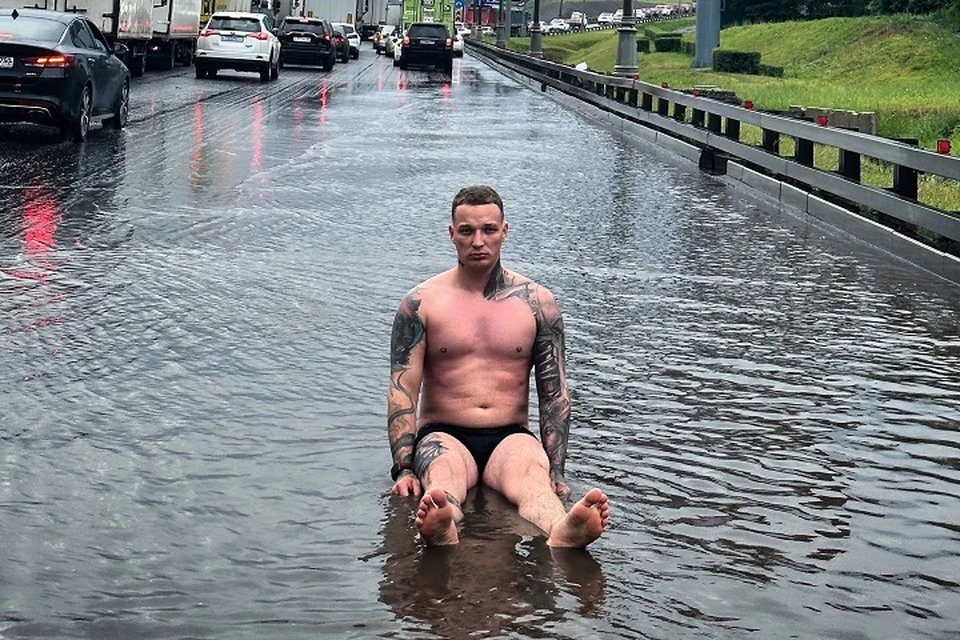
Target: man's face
(477, 232)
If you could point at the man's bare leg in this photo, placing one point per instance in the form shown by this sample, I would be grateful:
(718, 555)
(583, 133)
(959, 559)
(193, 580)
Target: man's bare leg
(518, 469)
(446, 470)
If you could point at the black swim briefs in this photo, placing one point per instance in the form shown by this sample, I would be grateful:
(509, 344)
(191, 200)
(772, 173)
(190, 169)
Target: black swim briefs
(479, 441)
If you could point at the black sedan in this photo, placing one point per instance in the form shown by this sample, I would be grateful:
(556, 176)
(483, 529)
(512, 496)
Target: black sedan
(57, 69)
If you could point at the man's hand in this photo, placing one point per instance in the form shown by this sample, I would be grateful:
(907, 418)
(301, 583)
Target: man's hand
(409, 485)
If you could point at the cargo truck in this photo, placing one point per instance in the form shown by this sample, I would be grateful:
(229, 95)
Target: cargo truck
(129, 22)
(176, 24)
(440, 11)
(371, 14)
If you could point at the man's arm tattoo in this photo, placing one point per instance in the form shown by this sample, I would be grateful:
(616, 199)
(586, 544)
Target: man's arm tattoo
(408, 332)
(554, 400)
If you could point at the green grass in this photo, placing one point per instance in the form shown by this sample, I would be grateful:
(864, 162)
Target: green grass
(906, 69)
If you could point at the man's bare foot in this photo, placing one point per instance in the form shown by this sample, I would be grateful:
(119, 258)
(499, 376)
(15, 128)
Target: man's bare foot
(435, 519)
(583, 524)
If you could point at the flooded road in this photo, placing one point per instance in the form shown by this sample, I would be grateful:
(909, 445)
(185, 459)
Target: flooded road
(194, 335)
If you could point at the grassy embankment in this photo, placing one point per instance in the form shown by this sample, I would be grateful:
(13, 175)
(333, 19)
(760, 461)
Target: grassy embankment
(906, 69)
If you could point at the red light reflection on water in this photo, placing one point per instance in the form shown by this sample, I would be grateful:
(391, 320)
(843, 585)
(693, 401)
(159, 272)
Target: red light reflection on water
(445, 91)
(196, 156)
(257, 134)
(324, 98)
(41, 217)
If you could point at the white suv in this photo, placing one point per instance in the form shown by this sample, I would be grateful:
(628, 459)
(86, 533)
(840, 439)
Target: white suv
(240, 41)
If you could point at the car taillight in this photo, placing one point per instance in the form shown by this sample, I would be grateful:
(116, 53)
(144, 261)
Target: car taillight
(57, 61)
(326, 37)
(209, 32)
(259, 35)
(449, 43)
(406, 41)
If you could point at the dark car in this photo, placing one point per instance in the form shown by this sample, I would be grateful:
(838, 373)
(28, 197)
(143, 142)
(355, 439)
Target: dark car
(57, 69)
(342, 45)
(308, 41)
(427, 43)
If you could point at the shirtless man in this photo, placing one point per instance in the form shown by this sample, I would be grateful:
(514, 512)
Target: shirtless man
(462, 348)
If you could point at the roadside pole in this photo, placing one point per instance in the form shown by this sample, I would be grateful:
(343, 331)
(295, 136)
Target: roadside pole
(626, 64)
(536, 38)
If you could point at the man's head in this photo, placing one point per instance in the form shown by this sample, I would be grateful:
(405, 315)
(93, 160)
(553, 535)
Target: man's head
(477, 227)
(476, 195)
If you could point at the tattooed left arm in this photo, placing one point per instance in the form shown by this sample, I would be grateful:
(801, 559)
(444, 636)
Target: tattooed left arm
(553, 397)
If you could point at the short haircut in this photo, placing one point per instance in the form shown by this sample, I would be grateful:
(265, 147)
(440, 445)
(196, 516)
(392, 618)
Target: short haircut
(476, 195)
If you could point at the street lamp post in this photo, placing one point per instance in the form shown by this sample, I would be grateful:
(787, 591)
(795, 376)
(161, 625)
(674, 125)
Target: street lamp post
(536, 38)
(502, 31)
(626, 64)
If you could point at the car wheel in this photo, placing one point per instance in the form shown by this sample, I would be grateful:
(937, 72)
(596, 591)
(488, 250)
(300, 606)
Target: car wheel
(396, 62)
(448, 66)
(78, 129)
(329, 63)
(356, 54)
(275, 71)
(201, 71)
(402, 65)
(265, 72)
(121, 110)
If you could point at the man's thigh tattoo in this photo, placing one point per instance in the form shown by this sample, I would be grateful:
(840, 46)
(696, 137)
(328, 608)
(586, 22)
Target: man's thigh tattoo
(427, 451)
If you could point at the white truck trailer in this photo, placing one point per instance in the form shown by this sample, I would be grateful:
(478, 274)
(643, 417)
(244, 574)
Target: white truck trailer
(129, 22)
(372, 13)
(176, 25)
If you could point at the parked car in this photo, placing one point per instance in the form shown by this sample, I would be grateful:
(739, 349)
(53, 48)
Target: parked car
(457, 45)
(240, 41)
(341, 45)
(605, 18)
(352, 37)
(381, 36)
(427, 43)
(307, 41)
(58, 69)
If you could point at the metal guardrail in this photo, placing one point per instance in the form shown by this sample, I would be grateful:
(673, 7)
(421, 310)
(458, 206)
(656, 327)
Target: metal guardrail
(715, 127)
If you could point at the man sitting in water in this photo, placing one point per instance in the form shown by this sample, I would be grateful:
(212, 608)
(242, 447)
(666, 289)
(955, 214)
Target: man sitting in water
(467, 339)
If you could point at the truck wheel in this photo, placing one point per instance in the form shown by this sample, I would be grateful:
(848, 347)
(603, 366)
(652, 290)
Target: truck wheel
(121, 109)
(137, 63)
(77, 129)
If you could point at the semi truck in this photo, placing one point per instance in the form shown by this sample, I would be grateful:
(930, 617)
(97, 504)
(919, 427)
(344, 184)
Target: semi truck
(129, 22)
(176, 24)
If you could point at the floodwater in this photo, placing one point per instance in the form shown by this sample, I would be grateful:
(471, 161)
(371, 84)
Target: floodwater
(194, 337)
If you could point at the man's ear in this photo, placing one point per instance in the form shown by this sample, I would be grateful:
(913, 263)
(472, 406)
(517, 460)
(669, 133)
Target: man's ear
(506, 227)
(450, 229)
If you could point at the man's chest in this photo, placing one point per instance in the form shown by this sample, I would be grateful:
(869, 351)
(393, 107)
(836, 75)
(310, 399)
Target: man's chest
(481, 327)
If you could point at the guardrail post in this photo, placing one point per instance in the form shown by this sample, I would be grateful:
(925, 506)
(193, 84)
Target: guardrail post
(733, 129)
(804, 153)
(771, 141)
(905, 178)
(663, 107)
(850, 165)
(680, 112)
(714, 122)
(634, 96)
(698, 118)
(647, 103)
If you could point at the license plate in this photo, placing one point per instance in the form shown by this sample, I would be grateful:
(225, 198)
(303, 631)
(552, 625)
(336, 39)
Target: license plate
(428, 42)
(231, 38)
(6, 62)
(301, 39)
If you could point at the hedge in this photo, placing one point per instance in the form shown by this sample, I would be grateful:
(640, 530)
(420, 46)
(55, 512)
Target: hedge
(736, 61)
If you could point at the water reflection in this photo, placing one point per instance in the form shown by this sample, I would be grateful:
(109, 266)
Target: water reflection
(53, 201)
(499, 580)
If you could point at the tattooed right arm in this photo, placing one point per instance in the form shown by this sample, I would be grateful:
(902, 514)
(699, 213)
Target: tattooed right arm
(407, 349)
